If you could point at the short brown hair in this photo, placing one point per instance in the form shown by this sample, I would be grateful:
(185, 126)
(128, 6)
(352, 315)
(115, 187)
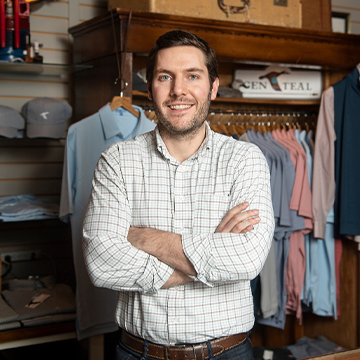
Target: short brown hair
(182, 38)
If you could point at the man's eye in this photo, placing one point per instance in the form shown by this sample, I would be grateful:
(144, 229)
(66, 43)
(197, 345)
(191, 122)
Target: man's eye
(193, 77)
(164, 77)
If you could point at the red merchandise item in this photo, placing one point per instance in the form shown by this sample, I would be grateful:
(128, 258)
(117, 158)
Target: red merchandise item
(16, 24)
(2, 23)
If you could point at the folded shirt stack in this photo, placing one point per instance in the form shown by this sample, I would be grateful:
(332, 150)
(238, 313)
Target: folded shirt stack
(27, 207)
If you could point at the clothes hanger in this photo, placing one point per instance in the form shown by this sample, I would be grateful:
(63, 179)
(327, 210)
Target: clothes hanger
(124, 102)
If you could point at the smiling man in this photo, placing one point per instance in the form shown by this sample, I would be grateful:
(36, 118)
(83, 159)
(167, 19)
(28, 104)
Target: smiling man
(173, 223)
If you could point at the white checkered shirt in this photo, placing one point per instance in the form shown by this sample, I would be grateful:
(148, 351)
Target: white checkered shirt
(137, 183)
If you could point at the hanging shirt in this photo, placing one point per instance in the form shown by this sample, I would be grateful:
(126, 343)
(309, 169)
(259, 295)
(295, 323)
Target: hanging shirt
(323, 180)
(347, 152)
(335, 176)
(86, 140)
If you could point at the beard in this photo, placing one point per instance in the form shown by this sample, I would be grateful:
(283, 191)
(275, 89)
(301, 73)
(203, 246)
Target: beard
(167, 128)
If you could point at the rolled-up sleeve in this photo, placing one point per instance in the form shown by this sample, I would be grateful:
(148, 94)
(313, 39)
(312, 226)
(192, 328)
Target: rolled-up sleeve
(224, 257)
(112, 262)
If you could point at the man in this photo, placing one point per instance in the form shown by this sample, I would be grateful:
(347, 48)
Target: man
(173, 223)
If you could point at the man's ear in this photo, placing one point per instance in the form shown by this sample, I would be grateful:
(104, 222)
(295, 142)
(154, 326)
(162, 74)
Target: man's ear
(149, 91)
(214, 89)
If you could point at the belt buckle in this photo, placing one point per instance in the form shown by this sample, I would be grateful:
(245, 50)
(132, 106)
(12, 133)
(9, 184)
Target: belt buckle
(198, 354)
(166, 349)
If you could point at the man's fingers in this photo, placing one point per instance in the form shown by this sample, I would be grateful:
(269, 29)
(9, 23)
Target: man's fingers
(246, 225)
(240, 221)
(234, 211)
(230, 215)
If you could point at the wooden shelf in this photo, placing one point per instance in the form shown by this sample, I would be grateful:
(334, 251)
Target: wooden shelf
(39, 69)
(34, 224)
(37, 335)
(141, 94)
(241, 104)
(268, 101)
(232, 41)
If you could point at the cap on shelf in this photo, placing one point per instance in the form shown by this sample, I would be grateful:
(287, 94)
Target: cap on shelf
(46, 117)
(10, 122)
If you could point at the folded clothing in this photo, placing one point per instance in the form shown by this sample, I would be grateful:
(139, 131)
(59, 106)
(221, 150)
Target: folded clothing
(27, 207)
(306, 347)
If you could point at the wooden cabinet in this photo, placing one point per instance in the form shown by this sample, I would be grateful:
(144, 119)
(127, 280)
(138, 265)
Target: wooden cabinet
(131, 35)
(97, 41)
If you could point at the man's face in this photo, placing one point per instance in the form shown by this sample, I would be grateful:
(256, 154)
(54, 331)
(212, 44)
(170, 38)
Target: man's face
(181, 90)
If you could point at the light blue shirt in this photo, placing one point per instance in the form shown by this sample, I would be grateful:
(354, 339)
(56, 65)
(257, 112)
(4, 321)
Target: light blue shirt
(86, 140)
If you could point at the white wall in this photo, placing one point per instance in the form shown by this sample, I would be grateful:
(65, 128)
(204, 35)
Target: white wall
(49, 23)
(351, 7)
(31, 166)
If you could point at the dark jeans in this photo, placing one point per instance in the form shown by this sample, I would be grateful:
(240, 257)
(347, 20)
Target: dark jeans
(244, 351)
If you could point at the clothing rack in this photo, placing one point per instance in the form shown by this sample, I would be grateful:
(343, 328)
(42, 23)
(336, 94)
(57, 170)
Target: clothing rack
(254, 119)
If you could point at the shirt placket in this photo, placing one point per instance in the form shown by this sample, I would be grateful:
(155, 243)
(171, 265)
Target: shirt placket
(181, 221)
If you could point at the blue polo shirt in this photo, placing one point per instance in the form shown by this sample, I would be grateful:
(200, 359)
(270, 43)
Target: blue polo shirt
(85, 142)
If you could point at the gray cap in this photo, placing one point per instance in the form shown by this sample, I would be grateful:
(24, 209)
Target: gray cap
(46, 117)
(10, 122)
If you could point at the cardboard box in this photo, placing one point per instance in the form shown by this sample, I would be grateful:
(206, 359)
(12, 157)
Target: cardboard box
(263, 12)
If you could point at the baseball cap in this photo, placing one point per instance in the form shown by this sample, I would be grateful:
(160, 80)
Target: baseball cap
(10, 122)
(46, 117)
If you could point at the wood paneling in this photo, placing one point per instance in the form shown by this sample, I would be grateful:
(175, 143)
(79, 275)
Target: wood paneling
(31, 171)
(37, 187)
(88, 12)
(316, 15)
(52, 9)
(53, 25)
(30, 88)
(31, 154)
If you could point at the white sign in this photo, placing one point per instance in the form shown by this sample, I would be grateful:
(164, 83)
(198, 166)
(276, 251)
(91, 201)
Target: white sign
(278, 82)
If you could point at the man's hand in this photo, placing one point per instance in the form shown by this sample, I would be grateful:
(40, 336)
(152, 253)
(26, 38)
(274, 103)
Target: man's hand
(238, 221)
(177, 278)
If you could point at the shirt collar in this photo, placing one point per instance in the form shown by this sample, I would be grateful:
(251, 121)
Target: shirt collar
(113, 127)
(204, 147)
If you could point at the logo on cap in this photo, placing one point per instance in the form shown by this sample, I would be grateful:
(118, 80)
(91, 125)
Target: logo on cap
(44, 114)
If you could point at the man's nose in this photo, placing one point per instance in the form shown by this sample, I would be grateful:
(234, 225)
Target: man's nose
(178, 87)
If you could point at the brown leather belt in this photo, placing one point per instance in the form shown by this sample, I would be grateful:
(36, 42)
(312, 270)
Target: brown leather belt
(182, 352)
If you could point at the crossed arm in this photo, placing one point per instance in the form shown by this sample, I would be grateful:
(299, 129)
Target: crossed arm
(167, 247)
